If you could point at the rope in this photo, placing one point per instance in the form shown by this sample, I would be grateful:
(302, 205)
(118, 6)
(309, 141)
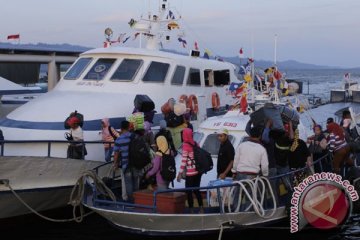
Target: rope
(76, 197)
(255, 186)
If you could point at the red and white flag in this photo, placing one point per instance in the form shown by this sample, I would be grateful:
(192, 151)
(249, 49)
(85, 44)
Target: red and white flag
(241, 53)
(196, 46)
(14, 36)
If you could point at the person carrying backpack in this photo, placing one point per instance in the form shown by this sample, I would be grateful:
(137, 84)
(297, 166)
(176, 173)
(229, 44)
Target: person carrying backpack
(121, 160)
(193, 177)
(167, 134)
(108, 135)
(163, 165)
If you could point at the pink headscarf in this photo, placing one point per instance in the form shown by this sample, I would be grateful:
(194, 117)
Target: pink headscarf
(105, 130)
(187, 136)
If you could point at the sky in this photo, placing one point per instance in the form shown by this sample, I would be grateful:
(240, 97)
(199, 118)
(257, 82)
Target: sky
(322, 32)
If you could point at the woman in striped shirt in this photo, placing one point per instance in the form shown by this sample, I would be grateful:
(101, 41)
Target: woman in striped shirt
(193, 177)
(338, 146)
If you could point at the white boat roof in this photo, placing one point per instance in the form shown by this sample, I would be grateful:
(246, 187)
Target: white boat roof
(232, 121)
(8, 87)
(155, 53)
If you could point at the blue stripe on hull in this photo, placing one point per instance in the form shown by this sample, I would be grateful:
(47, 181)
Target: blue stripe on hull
(92, 125)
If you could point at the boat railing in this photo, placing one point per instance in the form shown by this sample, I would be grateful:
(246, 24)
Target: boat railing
(127, 206)
(49, 143)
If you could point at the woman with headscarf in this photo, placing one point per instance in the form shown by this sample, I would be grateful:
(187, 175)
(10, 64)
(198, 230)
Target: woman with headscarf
(76, 148)
(108, 135)
(338, 146)
(163, 148)
(317, 148)
(193, 177)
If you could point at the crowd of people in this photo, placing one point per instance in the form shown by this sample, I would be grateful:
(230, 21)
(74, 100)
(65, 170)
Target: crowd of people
(267, 152)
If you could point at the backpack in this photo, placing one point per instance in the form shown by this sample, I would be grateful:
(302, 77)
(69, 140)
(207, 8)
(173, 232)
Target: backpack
(202, 158)
(172, 120)
(78, 116)
(139, 152)
(168, 167)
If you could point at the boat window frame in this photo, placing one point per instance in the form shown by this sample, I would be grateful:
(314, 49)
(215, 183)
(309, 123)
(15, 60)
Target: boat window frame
(183, 78)
(211, 81)
(188, 78)
(147, 69)
(134, 75)
(82, 71)
(222, 81)
(105, 75)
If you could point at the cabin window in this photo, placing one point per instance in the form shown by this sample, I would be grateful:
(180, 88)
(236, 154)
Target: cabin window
(77, 69)
(194, 77)
(209, 78)
(100, 69)
(178, 76)
(156, 72)
(222, 77)
(212, 143)
(127, 70)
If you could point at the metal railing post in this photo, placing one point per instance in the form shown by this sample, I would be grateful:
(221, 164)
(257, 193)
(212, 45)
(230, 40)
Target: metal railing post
(49, 149)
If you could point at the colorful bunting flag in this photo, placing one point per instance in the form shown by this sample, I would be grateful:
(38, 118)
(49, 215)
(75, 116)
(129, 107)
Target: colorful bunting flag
(183, 41)
(136, 35)
(207, 54)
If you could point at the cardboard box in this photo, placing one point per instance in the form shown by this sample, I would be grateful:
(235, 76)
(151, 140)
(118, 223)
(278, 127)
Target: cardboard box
(168, 203)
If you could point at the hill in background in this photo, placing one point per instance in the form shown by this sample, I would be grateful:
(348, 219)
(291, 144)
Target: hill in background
(288, 64)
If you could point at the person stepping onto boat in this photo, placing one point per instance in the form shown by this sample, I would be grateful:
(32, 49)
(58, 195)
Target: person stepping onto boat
(108, 135)
(250, 161)
(193, 177)
(163, 148)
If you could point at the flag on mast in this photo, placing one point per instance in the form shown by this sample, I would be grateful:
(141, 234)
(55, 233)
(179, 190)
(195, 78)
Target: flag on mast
(241, 53)
(13, 37)
(196, 46)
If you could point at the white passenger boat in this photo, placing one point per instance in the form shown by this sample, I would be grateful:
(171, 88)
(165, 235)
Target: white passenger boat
(104, 82)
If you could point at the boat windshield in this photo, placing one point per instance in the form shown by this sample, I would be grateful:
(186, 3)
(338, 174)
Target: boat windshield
(156, 72)
(127, 70)
(100, 69)
(77, 69)
(212, 143)
(178, 77)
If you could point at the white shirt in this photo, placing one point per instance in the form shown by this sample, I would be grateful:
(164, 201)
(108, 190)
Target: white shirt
(77, 134)
(251, 157)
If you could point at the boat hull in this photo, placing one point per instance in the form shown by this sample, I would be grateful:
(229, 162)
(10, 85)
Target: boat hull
(38, 199)
(42, 183)
(178, 224)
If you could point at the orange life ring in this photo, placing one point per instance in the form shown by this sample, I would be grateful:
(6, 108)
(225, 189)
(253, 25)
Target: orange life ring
(183, 98)
(215, 100)
(192, 103)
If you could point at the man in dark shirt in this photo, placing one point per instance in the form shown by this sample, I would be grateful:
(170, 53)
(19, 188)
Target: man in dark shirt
(225, 155)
